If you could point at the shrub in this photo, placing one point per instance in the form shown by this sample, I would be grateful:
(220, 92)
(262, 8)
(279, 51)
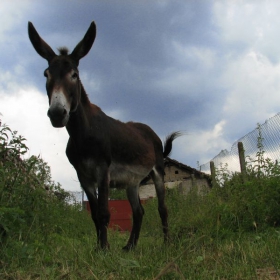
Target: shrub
(33, 209)
(234, 205)
(253, 203)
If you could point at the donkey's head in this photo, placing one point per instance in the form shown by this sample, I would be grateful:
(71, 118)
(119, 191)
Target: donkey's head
(63, 83)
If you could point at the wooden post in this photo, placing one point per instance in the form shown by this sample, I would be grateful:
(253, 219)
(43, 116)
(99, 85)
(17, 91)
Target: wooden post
(213, 174)
(241, 153)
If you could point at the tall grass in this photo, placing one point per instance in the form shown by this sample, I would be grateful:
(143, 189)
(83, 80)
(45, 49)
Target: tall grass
(229, 232)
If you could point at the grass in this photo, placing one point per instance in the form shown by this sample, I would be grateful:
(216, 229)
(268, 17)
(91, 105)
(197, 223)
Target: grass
(230, 232)
(247, 255)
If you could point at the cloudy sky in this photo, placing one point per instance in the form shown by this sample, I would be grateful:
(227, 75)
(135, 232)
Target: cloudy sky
(209, 68)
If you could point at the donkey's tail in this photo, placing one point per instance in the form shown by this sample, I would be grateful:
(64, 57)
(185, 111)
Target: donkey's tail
(168, 142)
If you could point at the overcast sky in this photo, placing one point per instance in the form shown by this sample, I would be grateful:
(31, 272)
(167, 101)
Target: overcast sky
(209, 68)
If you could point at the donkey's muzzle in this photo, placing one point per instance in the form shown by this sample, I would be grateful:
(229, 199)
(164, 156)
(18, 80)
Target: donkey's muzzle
(58, 116)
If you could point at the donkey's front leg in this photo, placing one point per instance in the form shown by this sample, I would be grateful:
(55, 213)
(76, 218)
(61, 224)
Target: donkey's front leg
(92, 199)
(99, 207)
(103, 210)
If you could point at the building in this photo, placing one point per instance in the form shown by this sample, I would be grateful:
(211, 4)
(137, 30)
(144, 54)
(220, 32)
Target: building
(178, 175)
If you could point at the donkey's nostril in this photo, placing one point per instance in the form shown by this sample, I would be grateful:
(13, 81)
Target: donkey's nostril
(64, 112)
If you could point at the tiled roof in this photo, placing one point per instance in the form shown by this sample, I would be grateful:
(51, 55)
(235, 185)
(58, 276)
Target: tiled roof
(194, 171)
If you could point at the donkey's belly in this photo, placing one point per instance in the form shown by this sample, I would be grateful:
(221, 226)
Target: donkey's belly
(128, 173)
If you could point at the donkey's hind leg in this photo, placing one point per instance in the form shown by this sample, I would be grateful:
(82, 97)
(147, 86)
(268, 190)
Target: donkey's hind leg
(157, 175)
(137, 212)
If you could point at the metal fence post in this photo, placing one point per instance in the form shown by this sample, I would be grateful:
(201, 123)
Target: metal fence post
(213, 173)
(242, 161)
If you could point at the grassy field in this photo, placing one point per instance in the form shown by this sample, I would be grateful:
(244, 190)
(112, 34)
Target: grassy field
(191, 254)
(229, 232)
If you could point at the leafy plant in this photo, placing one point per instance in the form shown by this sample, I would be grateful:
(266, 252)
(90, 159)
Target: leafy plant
(227, 232)
(253, 204)
(33, 208)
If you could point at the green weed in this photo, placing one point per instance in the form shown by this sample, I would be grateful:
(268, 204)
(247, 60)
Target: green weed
(229, 232)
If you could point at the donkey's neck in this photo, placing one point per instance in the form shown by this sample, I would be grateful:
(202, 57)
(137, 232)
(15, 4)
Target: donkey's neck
(77, 124)
(81, 121)
(84, 97)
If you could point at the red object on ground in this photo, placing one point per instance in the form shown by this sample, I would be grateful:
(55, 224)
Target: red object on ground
(121, 214)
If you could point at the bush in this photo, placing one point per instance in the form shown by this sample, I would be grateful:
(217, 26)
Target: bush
(33, 208)
(236, 204)
(253, 202)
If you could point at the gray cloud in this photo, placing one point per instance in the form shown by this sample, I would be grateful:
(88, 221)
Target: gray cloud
(204, 67)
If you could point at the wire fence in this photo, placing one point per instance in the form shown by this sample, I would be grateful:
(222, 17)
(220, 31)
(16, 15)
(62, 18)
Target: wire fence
(270, 134)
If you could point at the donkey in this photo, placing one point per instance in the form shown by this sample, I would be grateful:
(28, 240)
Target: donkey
(100, 148)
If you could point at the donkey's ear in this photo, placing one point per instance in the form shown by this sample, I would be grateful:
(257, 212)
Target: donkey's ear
(85, 45)
(42, 48)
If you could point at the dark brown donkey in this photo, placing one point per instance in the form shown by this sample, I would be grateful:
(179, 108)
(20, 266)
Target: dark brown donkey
(100, 148)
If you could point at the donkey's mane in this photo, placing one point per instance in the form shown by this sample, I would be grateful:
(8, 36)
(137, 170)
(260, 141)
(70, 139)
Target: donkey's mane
(63, 51)
(84, 96)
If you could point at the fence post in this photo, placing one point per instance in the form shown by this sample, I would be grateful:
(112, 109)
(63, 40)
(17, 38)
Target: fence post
(213, 173)
(241, 153)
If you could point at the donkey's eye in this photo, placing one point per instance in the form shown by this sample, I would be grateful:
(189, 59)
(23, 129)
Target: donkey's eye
(74, 75)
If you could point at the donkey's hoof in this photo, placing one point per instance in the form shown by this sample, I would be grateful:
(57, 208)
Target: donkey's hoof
(104, 247)
(128, 247)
